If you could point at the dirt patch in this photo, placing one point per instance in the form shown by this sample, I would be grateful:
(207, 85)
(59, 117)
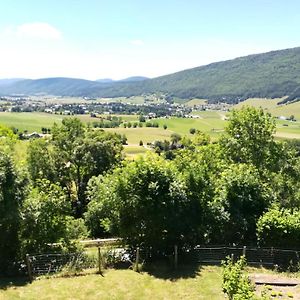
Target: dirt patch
(276, 286)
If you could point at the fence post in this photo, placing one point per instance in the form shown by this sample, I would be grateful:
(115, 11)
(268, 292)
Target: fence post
(137, 259)
(29, 268)
(175, 256)
(244, 251)
(99, 260)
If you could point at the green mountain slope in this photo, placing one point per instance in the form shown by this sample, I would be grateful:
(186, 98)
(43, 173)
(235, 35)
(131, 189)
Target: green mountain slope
(271, 75)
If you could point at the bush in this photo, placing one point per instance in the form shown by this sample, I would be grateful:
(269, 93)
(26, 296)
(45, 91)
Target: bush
(236, 283)
(192, 131)
(279, 228)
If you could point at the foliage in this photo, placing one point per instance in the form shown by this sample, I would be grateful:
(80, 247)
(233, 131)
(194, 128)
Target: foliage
(143, 203)
(244, 198)
(279, 227)
(46, 221)
(273, 74)
(12, 189)
(250, 137)
(7, 138)
(236, 283)
(192, 130)
(74, 155)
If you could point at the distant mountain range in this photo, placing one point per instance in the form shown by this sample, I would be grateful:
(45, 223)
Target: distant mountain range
(272, 74)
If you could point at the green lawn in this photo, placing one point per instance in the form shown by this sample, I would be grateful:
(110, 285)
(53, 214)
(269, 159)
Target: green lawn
(186, 283)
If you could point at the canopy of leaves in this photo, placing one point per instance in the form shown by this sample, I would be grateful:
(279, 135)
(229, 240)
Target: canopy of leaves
(72, 157)
(279, 228)
(46, 220)
(12, 188)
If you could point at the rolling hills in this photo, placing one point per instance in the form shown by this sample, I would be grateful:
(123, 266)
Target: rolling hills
(268, 75)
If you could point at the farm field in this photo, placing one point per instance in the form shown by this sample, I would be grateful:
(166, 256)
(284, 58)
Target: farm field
(210, 122)
(202, 283)
(195, 101)
(145, 134)
(50, 99)
(271, 106)
(36, 120)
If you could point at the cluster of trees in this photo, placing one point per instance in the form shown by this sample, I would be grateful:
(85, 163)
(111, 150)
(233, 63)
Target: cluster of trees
(140, 124)
(223, 192)
(242, 189)
(113, 123)
(42, 204)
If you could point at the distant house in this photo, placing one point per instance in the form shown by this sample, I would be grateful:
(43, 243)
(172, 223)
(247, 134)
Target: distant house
(282, 118)
(33, 135)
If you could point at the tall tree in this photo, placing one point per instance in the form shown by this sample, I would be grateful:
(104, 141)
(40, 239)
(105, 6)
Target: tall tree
(250, 137)
(11, 197)
(74, 155)
(145, 203)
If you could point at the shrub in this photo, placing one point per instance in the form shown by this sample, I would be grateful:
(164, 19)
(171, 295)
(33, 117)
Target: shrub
(279, 228)
(192, 131)
(236, 283)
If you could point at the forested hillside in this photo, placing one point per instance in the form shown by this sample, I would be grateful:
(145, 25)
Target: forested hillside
(270, 75)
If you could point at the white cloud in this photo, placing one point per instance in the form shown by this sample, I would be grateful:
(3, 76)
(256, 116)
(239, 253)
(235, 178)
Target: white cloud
(37, 30)
(137, 42)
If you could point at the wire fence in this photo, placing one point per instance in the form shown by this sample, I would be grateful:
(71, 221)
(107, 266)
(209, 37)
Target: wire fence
(43, 264)
(254, 256)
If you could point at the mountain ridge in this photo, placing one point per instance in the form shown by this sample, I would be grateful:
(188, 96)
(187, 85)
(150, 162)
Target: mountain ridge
(271, 74)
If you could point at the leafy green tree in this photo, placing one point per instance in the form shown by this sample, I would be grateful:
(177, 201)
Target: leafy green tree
(250, 137)
(144, 203)
(7, 138)
(192, 130)
(41, 161)
(74, 155)
(279, 227)
(200, 170)
(175, 138)
(46, 220)
(12, 188)
(142, 118)
(244, 198)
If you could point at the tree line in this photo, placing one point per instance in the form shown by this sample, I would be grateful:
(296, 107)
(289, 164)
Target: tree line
(241, 189)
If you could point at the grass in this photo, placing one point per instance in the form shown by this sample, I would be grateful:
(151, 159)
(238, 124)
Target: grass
(271, 106)
(185, 283)
(36, 120)
(212, 124)
(134, 151)
(145, 134)
(195, 101)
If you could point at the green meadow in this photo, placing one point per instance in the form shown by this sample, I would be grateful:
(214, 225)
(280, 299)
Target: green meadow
(185, 283)
(271, 106)
(210, 122)
(34, 121)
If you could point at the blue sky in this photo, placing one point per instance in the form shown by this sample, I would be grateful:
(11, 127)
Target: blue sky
(117, 39)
